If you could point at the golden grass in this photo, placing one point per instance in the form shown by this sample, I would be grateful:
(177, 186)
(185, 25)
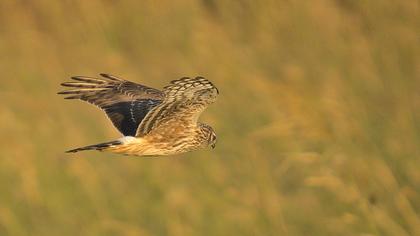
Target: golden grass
(317, 121)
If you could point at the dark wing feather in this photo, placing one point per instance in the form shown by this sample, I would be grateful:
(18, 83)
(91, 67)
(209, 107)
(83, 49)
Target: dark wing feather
(185, 99)
(126, 103)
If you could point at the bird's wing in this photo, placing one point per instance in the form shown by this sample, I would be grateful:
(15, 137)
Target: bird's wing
(184, 101)
(126, 103)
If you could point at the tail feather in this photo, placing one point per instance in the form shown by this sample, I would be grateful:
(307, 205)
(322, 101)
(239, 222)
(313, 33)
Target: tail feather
(99, 146)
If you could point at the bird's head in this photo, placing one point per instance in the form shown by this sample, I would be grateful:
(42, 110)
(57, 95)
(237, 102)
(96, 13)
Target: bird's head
(209, 135)
(212, 139)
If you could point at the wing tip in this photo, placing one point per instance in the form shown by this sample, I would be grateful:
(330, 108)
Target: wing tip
(65, 92)
(109, 76)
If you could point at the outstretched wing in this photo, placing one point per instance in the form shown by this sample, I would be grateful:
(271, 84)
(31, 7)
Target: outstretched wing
(126, 103)
(185, 99)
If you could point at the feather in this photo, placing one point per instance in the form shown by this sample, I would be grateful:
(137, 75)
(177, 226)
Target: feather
(125, 103)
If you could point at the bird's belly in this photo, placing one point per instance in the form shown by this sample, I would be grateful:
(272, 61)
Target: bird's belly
(146, 148)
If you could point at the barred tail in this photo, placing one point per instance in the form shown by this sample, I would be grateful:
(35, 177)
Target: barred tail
(99, 146)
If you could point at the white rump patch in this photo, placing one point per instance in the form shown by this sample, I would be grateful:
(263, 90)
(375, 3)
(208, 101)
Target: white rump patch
(128, 139)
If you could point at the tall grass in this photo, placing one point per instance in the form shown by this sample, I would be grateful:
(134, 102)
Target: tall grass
(317, 120)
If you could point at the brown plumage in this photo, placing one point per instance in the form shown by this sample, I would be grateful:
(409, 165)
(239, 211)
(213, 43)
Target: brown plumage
(153, 122)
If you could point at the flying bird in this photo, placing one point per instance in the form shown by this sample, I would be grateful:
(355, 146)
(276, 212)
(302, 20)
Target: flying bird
(152, 122)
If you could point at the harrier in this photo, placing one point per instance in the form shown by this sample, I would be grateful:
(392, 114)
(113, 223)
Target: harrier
(153, 122)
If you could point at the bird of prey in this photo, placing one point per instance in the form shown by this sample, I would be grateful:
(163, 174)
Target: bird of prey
(152, 122)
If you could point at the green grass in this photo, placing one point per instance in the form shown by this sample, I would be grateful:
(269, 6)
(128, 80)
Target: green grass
(318, 120)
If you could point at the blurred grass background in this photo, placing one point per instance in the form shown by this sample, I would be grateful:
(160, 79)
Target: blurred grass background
(318, 119)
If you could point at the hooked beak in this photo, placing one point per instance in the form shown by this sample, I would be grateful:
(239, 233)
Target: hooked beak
(213, 145)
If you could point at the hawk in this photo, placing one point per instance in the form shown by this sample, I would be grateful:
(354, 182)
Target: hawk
(152, 122)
